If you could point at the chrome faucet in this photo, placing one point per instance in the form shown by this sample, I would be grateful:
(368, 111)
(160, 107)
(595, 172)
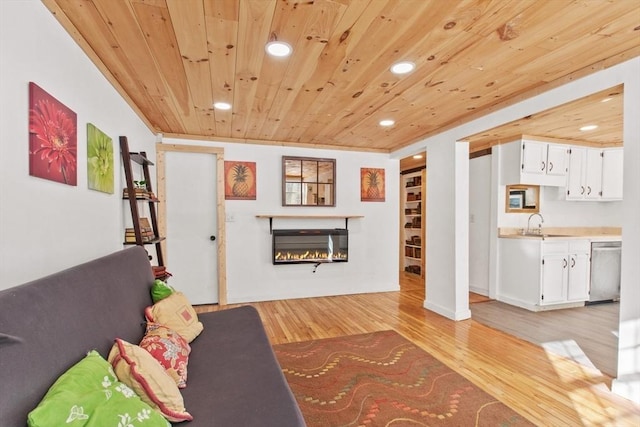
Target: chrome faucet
(539, 225)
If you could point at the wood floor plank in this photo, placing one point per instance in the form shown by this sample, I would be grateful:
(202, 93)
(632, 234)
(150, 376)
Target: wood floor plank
(545, 388)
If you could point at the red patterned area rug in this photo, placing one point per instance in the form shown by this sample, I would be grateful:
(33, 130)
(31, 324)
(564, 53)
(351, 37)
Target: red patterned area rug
(382, 379)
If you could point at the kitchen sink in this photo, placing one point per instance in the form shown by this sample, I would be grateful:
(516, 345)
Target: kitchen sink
(543, 235)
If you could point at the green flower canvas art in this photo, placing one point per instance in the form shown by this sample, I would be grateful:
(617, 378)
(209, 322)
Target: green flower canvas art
(99, 160)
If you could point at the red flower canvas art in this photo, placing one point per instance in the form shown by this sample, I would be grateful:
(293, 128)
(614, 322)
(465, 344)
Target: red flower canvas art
(53, 138)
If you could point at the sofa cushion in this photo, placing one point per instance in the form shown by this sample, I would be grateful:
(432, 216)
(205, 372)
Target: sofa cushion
(135, 367)
(176, 312)
(89, 394)
(170, 349)
(233, 360)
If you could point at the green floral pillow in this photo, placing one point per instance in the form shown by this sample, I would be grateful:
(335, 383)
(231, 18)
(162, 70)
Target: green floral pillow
(89, 394)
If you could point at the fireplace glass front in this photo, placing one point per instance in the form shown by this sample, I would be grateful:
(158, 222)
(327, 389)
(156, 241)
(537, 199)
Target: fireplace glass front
(310, 246)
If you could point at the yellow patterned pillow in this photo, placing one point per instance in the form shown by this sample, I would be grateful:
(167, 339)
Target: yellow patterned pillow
(176, 313)
(136, 367)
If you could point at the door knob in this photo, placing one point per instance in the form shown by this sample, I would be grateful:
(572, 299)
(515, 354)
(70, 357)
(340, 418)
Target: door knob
(212, 238)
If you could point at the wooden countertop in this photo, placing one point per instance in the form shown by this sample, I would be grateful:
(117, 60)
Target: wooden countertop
(591, 233)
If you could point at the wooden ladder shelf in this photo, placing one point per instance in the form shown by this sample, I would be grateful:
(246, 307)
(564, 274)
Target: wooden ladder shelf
(148, 196)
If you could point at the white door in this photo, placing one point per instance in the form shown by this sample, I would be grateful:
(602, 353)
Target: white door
(191, 223)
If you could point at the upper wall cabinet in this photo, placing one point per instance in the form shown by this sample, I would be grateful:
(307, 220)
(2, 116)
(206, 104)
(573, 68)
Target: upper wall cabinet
(543, 163)
(595, 174)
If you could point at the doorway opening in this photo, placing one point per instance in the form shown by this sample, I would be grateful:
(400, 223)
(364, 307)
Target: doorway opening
(412, 228)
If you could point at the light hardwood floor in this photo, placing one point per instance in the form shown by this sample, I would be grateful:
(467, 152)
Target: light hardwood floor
(547, 389)
(586, 334)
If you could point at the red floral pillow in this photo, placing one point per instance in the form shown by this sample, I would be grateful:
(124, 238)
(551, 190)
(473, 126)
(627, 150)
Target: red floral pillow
(170, 349)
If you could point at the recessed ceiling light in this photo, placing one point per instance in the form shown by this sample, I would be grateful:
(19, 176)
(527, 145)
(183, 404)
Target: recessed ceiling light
(588, 127)
(386, 122)
(403, 67)
(221, 105)
(606, 99)
(417, 156)
(280, 49)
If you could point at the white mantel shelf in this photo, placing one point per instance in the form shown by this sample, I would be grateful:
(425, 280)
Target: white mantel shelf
(271, 217)
(310, 216)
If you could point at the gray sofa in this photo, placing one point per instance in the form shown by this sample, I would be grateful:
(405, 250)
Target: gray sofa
(49, 324)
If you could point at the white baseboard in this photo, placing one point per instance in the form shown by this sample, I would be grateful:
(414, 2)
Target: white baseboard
(535, 307)
(627, 386)
(479, 291)
(518, 303)
(449, 314)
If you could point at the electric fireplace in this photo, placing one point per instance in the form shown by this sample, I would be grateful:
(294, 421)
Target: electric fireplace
(310, 246)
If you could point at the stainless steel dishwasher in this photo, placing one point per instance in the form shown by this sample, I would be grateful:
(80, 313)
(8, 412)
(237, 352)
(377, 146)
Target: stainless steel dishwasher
(605, 272)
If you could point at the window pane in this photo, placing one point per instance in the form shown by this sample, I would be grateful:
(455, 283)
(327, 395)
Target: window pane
(311, 194)
(293, 170)
(309, 171)
(325, 193)
(325, 172)
(294, 193)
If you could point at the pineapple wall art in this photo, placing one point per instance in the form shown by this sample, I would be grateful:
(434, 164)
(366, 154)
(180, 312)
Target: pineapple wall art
(239, 180)
(371, 185)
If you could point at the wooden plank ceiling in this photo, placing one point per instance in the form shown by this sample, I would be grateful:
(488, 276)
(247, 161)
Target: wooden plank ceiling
(171, 59)
(603, 109)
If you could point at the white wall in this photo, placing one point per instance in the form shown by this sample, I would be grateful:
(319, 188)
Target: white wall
(447, 241)
(479, 223)
(559, 212)
(373, 240)
(47, 226)
(628, 382)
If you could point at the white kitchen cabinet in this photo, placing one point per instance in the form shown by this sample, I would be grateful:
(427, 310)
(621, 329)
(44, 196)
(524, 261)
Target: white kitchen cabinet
(543, 163)
(539, 274)
(557, 161)
(595, 174)
(565, 271)
(579, 274)
(612, 167)
(554, 278)
(576, 177)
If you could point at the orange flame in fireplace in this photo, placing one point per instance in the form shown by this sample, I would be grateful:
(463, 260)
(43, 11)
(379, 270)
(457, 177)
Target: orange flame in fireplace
(309, 256)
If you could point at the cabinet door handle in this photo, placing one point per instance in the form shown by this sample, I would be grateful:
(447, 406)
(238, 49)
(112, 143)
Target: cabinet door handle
(550, 166)
(582, 189)
(564, 265)
(588, 190)
(573, 262)
(543, 165)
